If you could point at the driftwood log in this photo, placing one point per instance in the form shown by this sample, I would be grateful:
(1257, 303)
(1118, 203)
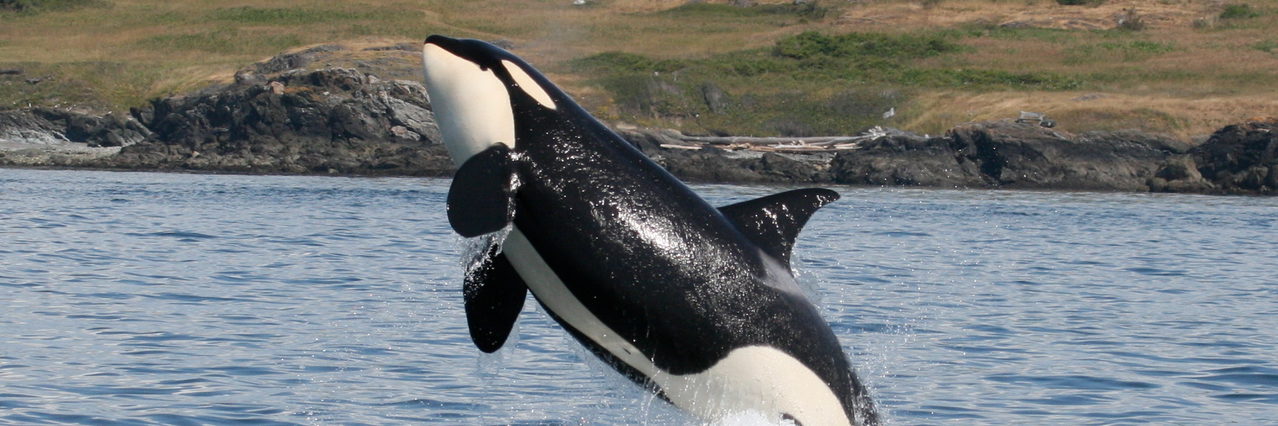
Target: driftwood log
(776, 144)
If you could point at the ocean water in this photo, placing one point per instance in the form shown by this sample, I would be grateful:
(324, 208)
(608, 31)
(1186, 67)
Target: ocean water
(134, 298)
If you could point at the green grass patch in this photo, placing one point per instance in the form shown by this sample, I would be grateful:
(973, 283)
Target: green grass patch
(37, 6)
(1109, 51)
(805, 84)
(621, 62)
(1050, 35)
(814, 45)
(281, 16)
(987, 79)
(1267, 46)
(226, 41)
(809, 10)
(1239, 11)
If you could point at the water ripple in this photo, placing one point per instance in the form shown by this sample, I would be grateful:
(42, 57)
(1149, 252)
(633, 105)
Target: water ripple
(137, 298)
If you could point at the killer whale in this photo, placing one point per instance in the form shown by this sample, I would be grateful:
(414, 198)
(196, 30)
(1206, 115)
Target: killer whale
(695, 303)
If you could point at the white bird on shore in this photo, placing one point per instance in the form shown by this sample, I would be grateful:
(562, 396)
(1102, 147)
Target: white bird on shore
(890, 112)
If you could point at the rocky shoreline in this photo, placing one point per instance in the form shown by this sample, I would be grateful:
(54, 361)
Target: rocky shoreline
(281, 117)
(1237, 159)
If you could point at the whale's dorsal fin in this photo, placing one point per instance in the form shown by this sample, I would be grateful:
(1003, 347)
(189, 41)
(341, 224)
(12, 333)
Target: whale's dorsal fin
(772, 222)
(494, 295)
(480, 199)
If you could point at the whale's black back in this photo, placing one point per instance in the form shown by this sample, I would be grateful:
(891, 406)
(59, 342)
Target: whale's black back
(654, 261)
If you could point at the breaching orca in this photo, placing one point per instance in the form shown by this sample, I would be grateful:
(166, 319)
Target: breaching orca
(695, 303)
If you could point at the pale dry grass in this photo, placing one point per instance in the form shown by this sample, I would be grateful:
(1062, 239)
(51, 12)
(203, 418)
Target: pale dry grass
(905, 15)
(1184, 117)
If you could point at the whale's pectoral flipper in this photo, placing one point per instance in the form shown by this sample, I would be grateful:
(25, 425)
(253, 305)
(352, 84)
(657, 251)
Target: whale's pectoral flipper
(480, 198)
(773, 222)
(494, 295)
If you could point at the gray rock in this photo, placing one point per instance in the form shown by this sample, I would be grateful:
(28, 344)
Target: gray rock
(1022, 155)
(406, 47)
(293, 60)
(716, 99)
(340, 120)
(1241, 158)
(907, 159)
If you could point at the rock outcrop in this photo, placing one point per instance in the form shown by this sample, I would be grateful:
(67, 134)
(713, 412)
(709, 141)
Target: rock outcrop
(1020, 155)
(1238, 159)
(48, 125)
(335, 120)
(994, 154)
(902, 158)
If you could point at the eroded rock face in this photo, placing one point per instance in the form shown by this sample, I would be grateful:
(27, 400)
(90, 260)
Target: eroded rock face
(1241, 158)
(1023, 155)
(56, 125)
(908, 159)
(336, 120)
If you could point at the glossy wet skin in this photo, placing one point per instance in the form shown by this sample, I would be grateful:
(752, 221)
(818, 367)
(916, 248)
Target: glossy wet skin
(657, 267)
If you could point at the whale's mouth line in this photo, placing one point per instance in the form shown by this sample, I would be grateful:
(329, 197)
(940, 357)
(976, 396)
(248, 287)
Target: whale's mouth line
(447, 43)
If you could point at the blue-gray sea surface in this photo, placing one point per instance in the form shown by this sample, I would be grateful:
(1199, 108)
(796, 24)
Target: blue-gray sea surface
(178, 298)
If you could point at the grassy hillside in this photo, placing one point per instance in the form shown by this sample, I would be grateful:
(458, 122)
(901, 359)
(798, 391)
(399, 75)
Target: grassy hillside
(1178, 66)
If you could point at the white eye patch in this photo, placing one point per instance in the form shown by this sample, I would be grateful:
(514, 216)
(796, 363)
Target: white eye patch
(528, 85)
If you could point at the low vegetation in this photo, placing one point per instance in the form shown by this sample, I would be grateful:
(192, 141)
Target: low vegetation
(776, 68)
(1239, 11)
(37, 6)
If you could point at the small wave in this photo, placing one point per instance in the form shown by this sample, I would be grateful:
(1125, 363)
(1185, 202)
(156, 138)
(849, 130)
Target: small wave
(173, 234)
(1248, 397)
(901, 234)
(191, 298)
(238, 370)
(1073, 382)
(1157, 272)
(436, 404)
(1248, 375)
(1085, 399)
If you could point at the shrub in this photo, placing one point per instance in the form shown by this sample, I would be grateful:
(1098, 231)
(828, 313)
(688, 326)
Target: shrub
(876, 45)
(1109, 51)
(33, 6)
(221, 41)
(1238, 11)
(1267, 46)
(809, 10)
(624, 62)
(291, 16)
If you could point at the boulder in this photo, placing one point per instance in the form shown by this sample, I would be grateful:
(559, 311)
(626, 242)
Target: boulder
(1241, 158)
